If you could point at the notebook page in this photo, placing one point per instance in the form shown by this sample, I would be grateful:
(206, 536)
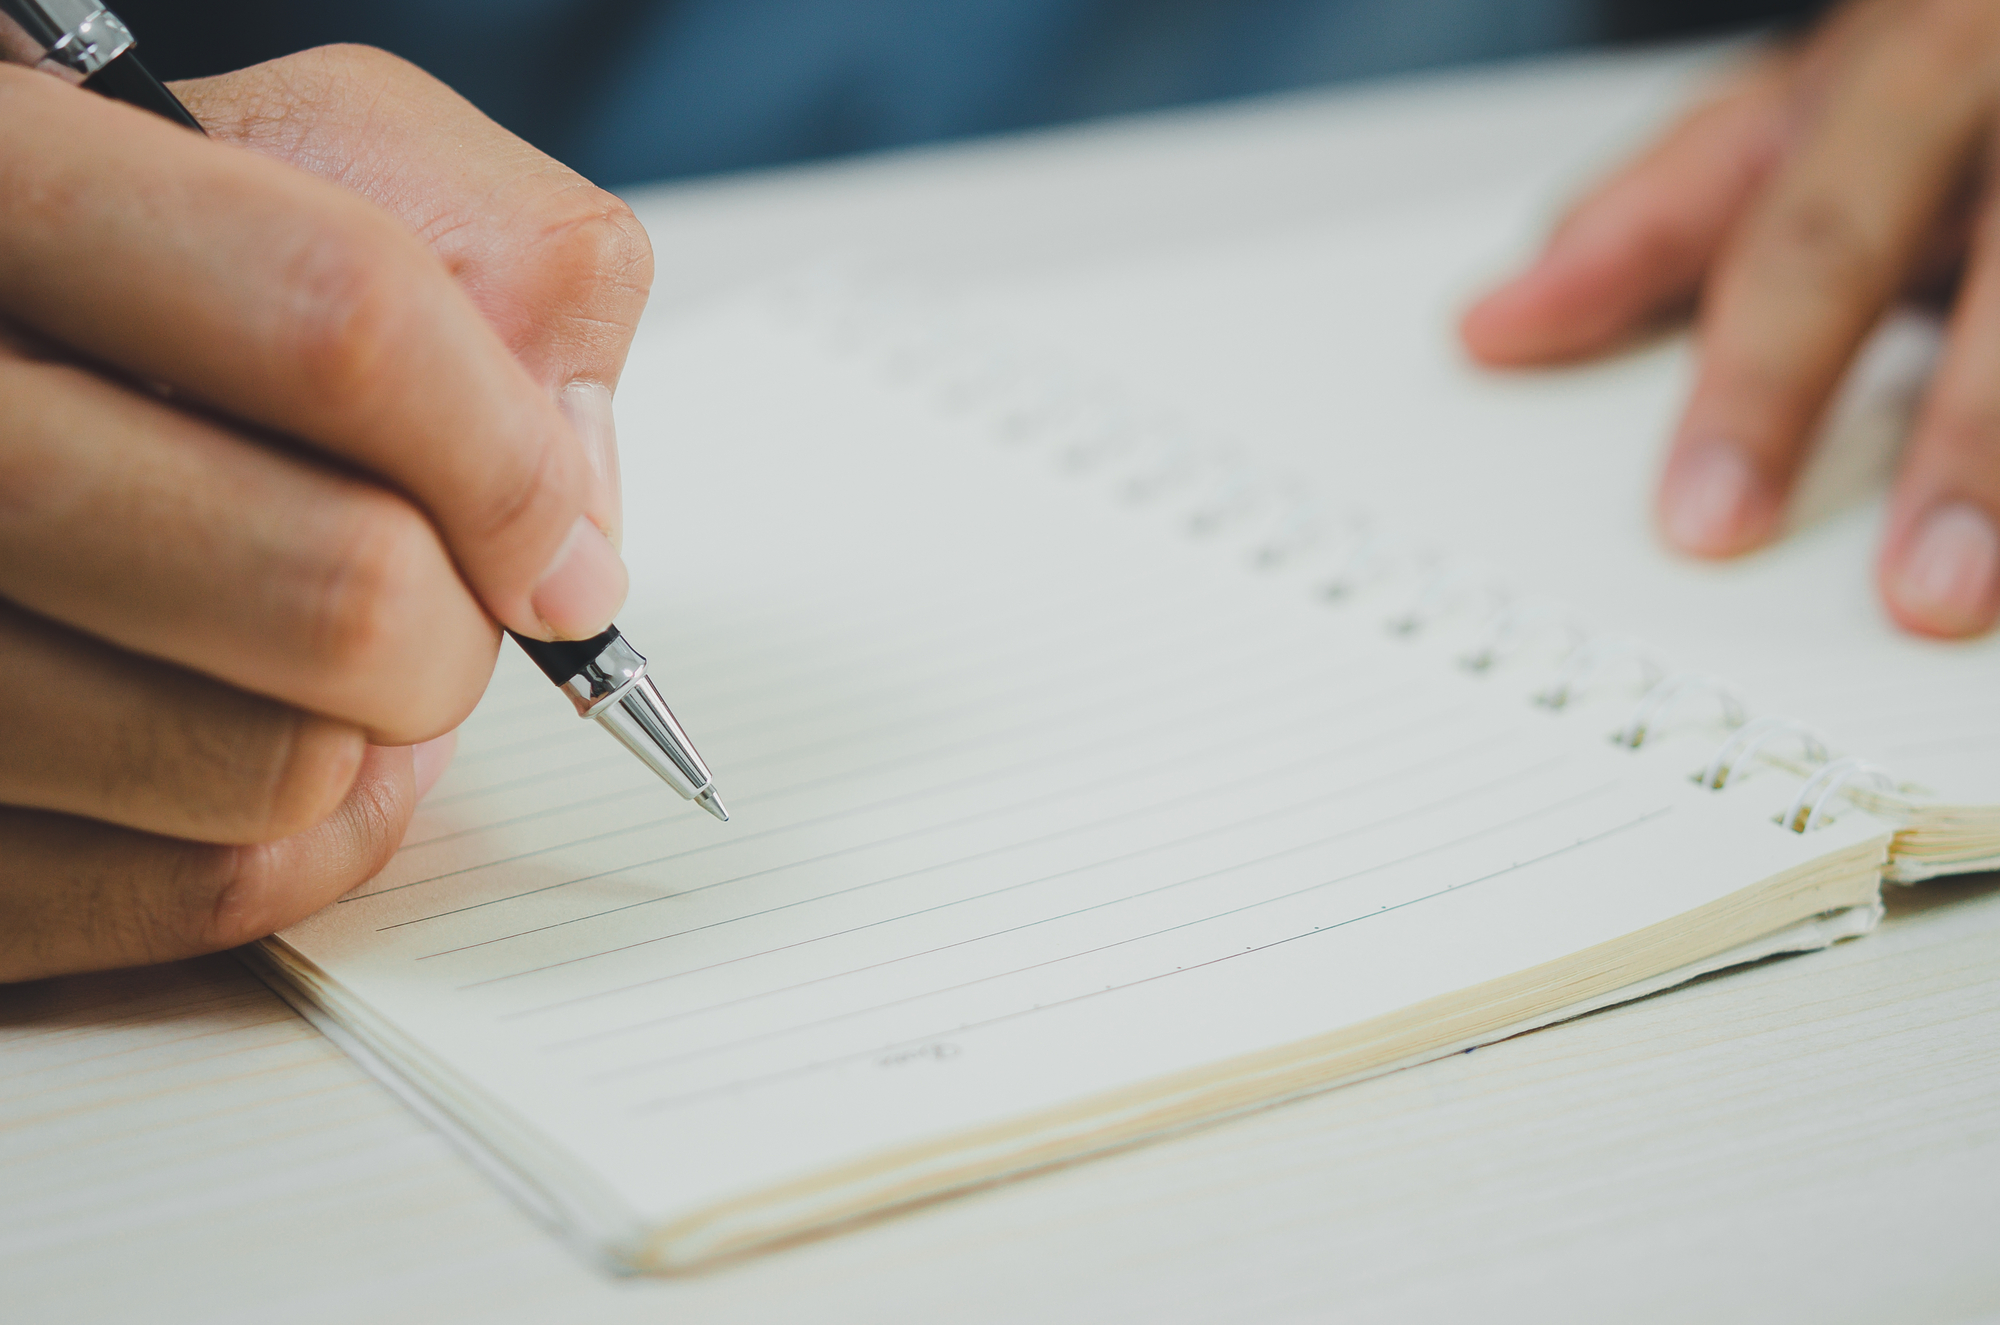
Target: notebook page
(1335, 351)
(1034, 799)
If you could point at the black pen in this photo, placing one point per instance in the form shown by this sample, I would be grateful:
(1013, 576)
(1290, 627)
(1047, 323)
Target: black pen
(84, 43)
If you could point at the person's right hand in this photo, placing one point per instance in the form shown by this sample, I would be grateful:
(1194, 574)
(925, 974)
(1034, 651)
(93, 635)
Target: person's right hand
(275, 458)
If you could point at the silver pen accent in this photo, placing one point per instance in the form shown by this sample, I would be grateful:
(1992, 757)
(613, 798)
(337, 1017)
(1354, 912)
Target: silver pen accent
(85, 45)
(606, 679)
(72, 39)
(614, 691)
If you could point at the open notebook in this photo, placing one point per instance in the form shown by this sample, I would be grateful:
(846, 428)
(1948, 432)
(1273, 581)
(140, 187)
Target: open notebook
(1089, 783)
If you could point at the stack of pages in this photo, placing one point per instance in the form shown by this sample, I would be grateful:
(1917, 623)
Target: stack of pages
(1105, 758)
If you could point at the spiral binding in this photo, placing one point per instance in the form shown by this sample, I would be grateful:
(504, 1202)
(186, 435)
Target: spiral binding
(1367, 559)
(1592, 658)
(1517, 625)
(1447, 590)
(1744, 743)
(1298, 530)
(1656, 703)
(1824, 784)
(1029, 396)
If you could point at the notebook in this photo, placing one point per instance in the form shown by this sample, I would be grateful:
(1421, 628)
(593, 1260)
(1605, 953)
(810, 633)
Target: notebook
(1335, 352)
(1096, 773)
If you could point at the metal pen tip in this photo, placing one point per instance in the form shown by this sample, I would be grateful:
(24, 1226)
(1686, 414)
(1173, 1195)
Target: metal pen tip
(642, 722)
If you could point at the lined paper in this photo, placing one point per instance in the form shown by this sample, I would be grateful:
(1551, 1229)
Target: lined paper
(1336, 351)
(1034, 798)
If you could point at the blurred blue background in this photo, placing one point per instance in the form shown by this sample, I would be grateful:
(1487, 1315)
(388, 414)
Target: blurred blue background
(628, 91)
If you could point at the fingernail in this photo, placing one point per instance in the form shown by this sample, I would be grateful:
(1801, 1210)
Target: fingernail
(430, 759)
(587, 406)
(583, 587)
(1948, 571)
(1707, 500)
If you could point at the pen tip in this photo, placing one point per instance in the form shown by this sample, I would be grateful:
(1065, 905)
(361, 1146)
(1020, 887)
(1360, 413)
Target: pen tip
(711, 802)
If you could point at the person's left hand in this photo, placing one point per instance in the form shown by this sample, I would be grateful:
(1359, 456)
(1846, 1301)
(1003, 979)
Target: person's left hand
(1824, 183)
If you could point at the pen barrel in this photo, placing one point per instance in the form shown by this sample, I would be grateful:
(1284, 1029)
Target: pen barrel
(126, 80)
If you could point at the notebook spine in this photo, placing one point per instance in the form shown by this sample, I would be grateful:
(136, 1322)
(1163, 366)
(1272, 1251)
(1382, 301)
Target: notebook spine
(1025, 396)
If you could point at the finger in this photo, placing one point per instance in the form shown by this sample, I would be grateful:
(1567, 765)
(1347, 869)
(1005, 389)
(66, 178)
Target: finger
(96, 732)
(560, 268)
(292, 304)
(79, 896)
(1820, 255)
(170, 536)
(1940, 565)
(1634, 251)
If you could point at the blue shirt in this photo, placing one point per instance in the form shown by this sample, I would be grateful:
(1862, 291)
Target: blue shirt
(631, 90)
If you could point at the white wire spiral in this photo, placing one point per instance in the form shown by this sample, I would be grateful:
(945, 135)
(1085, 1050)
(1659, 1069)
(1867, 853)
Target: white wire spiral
(1029, 396)
(1658, 701)
(1744, 743)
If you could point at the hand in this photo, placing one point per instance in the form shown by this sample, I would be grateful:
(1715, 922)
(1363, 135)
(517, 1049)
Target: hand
(289, 420)
(1828, 181)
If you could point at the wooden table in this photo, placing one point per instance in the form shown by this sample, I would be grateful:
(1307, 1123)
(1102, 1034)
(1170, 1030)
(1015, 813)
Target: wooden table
(1816, 1138)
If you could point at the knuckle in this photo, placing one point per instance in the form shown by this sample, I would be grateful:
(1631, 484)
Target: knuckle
(201, 892)
(190, 755)
(238, 894)
(44, 408)
(305, 777)
(230, 897)
(221, 766)
(344, 315)
(1824, 238)
(595, 242)
(368, 610)
(522, 494)
(376, 816)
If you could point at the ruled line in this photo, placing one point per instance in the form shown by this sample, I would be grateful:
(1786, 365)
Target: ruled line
(1118, 859)
(764, 718)
(540, 774)
(897, 608)
(911, 643)
(649, 787)
(904, 798)
(1107, 623)
(1155, 807)
(570, 731)
(1090, 708)
(677, 1101)
(628, 1069)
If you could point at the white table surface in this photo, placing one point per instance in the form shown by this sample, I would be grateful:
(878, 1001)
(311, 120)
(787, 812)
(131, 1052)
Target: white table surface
(1816, 1138)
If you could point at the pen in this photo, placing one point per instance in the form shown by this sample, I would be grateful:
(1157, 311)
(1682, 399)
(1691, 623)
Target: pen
(605, 677)
(82, 42)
